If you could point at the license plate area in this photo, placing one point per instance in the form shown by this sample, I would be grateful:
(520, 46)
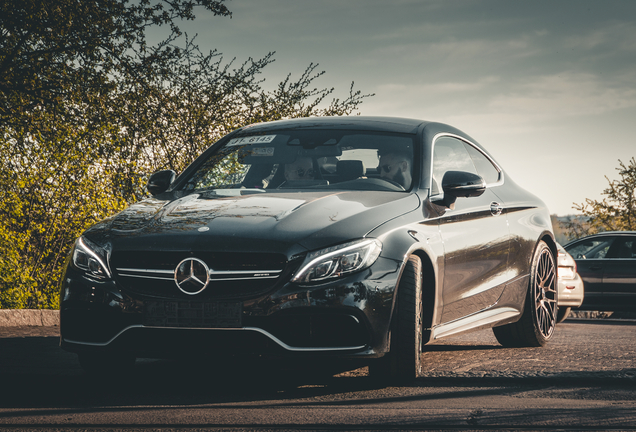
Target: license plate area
(192, 314)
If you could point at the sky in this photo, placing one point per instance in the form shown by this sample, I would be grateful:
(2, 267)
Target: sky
(547, 87)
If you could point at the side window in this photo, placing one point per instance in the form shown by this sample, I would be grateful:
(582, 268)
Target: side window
(623, 247)
(485, 168)
(449, 154)
(590, 249)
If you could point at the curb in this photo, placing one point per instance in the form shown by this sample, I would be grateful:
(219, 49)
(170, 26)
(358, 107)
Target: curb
(29, 317)
(596, 315)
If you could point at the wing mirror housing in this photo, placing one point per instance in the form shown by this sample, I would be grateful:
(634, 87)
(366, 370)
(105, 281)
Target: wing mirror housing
(160, 181)
(461, 184)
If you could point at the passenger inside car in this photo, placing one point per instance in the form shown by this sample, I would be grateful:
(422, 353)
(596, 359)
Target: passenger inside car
(299, 173)
(301, 169)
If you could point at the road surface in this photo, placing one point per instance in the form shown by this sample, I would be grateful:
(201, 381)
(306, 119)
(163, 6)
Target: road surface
(583, 380)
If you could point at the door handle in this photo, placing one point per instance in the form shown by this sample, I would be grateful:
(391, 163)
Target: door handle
(495, 208)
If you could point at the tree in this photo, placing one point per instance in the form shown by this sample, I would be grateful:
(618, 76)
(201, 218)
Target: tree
(616, 212)
(51, 48)
(198, 99)
(560, 234)
(88, 110)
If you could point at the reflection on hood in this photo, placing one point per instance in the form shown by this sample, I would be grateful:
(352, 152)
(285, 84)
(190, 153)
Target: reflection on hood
(288, 217)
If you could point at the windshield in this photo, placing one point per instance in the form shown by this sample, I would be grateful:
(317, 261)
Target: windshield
(308, 159)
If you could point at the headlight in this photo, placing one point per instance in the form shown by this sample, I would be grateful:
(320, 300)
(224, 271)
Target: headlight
(338, 260)
(90, 258)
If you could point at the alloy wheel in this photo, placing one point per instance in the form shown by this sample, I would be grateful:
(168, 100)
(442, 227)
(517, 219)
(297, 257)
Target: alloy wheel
(545, 294)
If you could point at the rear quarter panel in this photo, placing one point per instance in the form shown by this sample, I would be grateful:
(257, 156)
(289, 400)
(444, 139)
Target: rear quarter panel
(529, 222)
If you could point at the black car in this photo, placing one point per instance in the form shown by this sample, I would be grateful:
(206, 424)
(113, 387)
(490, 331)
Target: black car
(345, 237)
(607, 264)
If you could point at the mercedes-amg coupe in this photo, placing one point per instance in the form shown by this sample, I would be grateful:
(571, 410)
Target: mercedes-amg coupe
(338, 237)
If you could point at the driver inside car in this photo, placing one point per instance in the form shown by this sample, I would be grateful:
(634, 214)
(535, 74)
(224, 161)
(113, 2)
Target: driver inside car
(397, 168)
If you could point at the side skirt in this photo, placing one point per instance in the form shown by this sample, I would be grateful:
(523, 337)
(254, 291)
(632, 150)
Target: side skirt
(484, 319)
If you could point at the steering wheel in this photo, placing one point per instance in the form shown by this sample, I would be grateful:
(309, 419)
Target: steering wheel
(393, 183)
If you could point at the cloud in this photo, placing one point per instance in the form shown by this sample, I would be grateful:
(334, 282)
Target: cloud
(521, 104)
(565, 94)
(616, 37)
(441, 88)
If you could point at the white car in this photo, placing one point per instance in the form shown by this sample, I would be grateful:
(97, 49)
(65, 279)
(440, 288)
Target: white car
(571, 290)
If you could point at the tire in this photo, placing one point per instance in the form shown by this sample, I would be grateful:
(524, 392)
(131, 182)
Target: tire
(106, 364)
(562, 314)
(538, 321)
(404, 361)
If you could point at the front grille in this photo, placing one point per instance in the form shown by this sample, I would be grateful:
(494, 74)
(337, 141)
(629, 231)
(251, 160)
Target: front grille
(231, 275)
(192, 314)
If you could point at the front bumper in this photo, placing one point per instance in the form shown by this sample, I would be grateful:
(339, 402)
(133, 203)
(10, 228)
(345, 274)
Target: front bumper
(349, 317)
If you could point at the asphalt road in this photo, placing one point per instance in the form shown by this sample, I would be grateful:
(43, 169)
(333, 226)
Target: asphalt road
(585, 379)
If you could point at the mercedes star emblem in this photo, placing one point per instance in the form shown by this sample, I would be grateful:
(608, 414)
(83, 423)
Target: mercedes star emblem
(192, 276)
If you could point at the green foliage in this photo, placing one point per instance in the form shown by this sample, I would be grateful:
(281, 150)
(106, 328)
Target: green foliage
(16, 286)
(197, 98)
(53, 189)
(615, 212)
(50, 48)
(88, 110)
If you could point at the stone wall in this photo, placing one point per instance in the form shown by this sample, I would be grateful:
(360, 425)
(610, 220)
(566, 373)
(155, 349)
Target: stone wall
(29, 317)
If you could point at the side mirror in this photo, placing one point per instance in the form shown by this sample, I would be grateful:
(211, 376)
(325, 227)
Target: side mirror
(160, 181)
(463, 184)
(456, 184)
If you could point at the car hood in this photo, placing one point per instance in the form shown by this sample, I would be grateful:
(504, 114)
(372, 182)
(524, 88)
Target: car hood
(274, 222)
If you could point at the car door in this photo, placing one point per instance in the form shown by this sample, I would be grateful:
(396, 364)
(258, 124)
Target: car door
(590, 255)
(475, 233)
(619, 275)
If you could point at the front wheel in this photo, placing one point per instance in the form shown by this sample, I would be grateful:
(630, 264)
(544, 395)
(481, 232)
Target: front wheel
(538, 321)
(404, 362)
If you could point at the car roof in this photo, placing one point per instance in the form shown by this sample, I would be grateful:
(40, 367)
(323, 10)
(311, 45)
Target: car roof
(370, 123)
(601, 234)
(610, 233)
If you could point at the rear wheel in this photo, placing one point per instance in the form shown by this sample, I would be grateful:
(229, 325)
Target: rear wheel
(404, 362)
(536, 325)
